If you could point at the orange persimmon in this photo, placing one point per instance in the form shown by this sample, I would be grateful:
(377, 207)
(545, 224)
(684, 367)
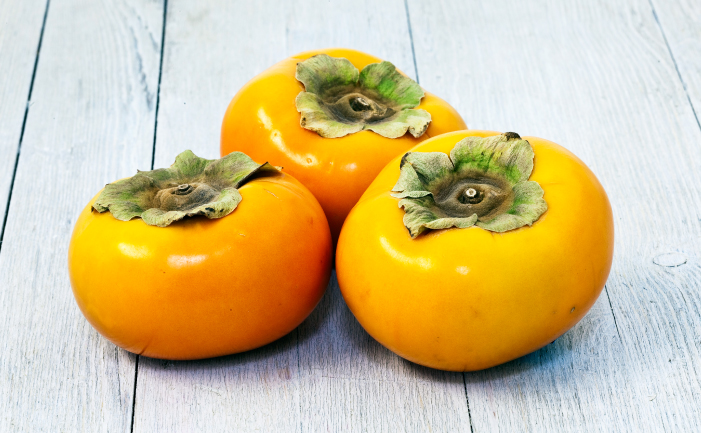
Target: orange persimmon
(333, 118)
(223, 256)
(476, 248)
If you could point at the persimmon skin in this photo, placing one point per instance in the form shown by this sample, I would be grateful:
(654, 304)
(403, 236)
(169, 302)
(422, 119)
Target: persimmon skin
(201, 288)
(470, 299)
(263, 122)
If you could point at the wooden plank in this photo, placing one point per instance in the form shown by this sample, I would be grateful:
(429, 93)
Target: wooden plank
(91, 122)
(597, 78)
(327, 375)
(242, 39)
(252, 391)
(351, 383)
(210, 50)
(20, 29)
(680, 22)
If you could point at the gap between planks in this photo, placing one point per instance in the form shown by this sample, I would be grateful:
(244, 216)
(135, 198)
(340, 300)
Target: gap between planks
(416, 72)
(24, 123)
(674, 61)
(153, 158)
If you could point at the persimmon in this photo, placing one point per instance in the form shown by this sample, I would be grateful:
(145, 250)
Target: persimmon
(202, 259)
(476, 248)
(333, 118)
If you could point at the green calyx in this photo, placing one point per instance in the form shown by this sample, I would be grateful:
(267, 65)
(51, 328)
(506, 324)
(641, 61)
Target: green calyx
(484, 182)
(339, 100)
(191, 186)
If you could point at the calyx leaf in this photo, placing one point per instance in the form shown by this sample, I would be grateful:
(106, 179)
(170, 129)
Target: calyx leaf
(339, 100)
(484, 182)
(191, 186)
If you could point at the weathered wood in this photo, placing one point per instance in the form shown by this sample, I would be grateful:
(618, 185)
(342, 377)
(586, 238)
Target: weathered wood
(613, 81)
(20, 30)
(210, 50)
(351, 383)
(213, 48)
(329, 374)
(680, 23)
(91, 122)
(252, 391)
(597, 78)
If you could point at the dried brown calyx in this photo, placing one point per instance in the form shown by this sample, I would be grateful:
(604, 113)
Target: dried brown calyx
(191, 186)
(483, 182)
(339, 100)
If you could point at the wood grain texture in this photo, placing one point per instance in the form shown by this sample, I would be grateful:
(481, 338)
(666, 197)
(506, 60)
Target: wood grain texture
(351, 383)
(616, 82)
(20, 28)
(596, 77)
(247, 392)
(91, 122)
(680, 22)
(328, 375)
(210, 50)
(213, 48)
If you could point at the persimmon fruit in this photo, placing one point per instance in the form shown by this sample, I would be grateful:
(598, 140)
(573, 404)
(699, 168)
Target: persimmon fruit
(203, 259)
(476, 248)
(333, 118)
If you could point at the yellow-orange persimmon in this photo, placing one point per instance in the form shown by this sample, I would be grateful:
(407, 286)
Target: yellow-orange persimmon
(178, 285)
(356, 118)
(485, 260)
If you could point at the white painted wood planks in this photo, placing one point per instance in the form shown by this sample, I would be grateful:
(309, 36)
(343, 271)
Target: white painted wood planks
(314, 379)
(597, 78)
(90, 122)
(21, 24)
(680, 23)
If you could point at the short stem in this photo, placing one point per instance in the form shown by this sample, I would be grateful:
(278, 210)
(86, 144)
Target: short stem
(339, 100)
(183, 189)
(483, 182)
(359, 103)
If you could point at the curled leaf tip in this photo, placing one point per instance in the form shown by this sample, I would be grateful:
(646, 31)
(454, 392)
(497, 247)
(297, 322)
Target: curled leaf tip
(483, 182)
(339, 100)
(191, 186)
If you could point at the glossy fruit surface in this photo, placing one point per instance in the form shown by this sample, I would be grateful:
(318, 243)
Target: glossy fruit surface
(263, 122)
(468, 299)
(201, 288)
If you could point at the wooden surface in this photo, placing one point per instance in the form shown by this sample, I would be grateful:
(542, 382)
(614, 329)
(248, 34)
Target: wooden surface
(621, 107)
(90, 122)
(21, 24)
(618, 83)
